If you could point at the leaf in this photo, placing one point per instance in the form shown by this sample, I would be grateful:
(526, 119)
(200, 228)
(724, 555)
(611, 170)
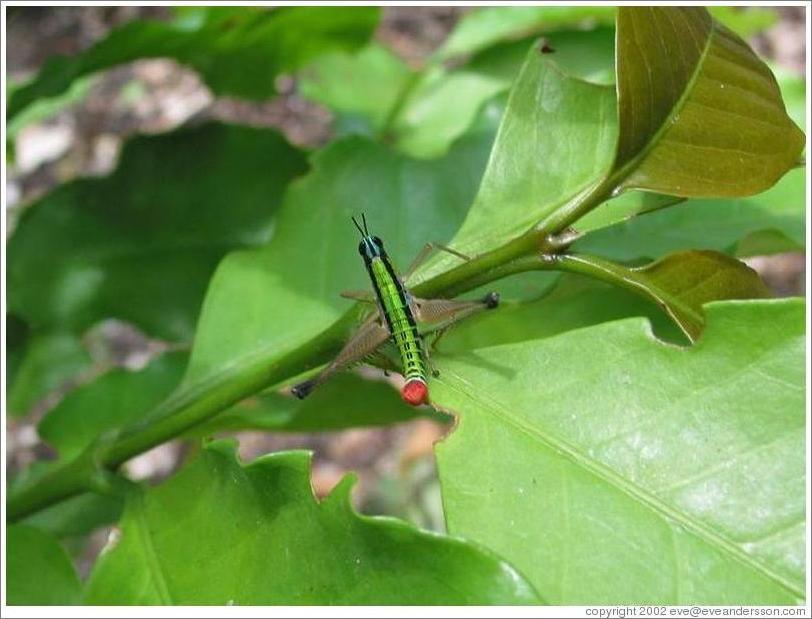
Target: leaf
(45, 362)
(289, 289)
(680, 283)
(483, 28)
(79, 515)
(699, 114)
(257, 536)
(114, 400)
(744, 21)
(38, 570)
(721, 225)
(421, 113)
(645, 474)
(346, 401)
(141, 244)
(555, 138)
(585, 54)
(237, 51)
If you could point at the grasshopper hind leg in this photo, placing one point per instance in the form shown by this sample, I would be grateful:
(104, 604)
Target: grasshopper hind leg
(369, 337)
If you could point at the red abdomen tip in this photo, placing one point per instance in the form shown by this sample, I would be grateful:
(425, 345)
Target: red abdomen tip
(415, 393)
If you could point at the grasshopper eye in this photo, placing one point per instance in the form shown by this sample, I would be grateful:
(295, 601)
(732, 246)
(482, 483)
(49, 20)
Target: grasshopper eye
(362, 248)
(378, 242)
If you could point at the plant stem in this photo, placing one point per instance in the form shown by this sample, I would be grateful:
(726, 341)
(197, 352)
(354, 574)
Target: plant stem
(188, 407)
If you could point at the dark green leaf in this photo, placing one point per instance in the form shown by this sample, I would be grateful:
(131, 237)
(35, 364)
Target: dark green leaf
(237, 51)
(38, 570)
(614, 469)
(699, 114)
(112, 401)
(256, 535)
(141, 244)
(45, 363)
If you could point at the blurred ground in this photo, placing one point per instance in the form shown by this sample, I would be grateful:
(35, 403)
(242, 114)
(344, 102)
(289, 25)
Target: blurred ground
(394, 465)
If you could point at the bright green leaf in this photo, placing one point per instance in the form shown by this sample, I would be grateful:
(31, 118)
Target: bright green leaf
(277, 297)
(699, 113)
(555, 139)
(483, 28)
(38, 570)
(237, 51)
(585, 54)
(257, 536)
(421, 113)
(745, 21)
(643, 473)
(141, 244)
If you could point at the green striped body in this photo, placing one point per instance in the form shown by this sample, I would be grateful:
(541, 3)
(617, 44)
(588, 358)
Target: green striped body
(398, 315)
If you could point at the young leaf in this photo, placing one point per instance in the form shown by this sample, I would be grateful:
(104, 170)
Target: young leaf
(141, 244)
(38, 570)
(699, 113)
(237, 51)
(257, 536)
(646, 473)
(679, 283)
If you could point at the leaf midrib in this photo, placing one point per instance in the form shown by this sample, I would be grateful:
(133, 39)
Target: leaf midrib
(615, 480)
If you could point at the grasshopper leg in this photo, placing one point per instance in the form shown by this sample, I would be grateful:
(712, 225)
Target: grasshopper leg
(370, 335)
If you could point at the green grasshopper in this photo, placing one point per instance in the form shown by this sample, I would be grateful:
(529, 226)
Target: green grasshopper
(394, 319)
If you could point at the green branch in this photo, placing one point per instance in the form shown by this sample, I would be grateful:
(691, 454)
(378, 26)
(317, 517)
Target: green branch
(187, 408)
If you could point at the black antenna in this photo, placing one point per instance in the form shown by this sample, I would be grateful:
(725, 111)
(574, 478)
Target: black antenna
(364, 219)
(357, 226)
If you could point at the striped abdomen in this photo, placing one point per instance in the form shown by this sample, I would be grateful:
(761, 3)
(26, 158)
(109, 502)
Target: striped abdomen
(399, 319)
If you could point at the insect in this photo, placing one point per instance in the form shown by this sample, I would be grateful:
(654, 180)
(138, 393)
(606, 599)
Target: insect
(396, 318)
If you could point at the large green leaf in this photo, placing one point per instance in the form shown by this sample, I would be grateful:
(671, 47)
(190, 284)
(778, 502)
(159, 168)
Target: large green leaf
(38, 570)
(277, 297)
(719, 224)
(642, 472)
(237, 50)
(256, 535)
(699, 113)
(44, 362)
(555, 139)
(141, 244)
